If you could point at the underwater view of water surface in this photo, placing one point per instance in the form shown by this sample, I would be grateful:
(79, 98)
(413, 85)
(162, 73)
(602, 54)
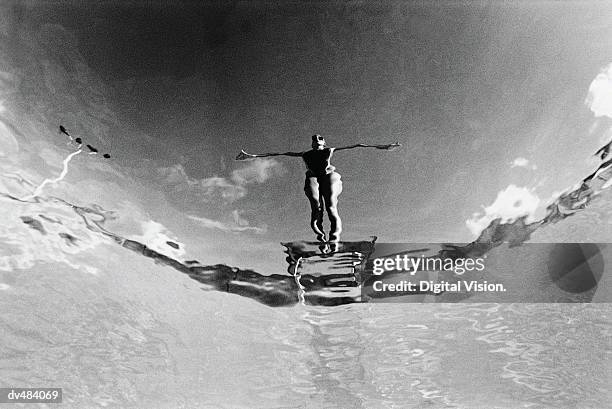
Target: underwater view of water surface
(173, 233)
(165, 345)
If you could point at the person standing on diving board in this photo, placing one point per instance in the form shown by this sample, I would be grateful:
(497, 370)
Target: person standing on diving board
(323, 184)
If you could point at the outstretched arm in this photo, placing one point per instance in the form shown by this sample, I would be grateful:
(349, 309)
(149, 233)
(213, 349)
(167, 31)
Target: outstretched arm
(243, 155)
(363, 145)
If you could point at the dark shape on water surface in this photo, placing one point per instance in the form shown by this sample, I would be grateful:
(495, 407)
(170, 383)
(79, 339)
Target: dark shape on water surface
(47, 218)
(70, 239)
(172, 244)
(604, 151)
(95, 151)
(496, 234)
(274, 290)
(34, 224)
(79, 141)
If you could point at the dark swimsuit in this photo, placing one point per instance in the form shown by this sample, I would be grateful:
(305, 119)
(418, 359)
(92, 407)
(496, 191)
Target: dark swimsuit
(318, 162)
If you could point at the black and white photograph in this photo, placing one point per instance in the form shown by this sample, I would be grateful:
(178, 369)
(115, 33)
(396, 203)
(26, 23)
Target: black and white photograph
(295, 204)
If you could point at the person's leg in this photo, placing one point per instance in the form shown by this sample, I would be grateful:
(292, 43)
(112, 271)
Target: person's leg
(311, 188)
(330, 190)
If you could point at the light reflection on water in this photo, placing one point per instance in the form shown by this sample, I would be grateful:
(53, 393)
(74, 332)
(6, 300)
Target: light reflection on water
(167, 344)
(457, 356)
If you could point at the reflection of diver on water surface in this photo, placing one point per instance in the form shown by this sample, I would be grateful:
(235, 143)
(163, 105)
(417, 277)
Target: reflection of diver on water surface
(322, 185)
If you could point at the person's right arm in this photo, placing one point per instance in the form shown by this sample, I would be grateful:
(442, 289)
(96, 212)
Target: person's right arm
(244, 155)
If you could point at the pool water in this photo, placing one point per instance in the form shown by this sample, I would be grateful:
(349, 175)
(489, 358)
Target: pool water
(138, 334)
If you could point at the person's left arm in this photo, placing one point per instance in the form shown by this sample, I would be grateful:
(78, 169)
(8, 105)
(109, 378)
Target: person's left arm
(363, 145)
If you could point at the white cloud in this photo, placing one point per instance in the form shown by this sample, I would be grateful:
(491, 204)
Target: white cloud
(510, 204)
(229, 189)
(257, 171)
(235, 228)
(599, 97)
(216, 186)
(522, 163)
